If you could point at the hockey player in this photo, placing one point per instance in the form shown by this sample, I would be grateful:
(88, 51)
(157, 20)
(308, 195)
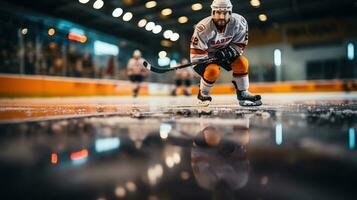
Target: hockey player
(223, 35)
(136, 71)
(183, 80)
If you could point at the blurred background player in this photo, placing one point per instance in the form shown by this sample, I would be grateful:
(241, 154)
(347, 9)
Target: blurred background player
(223, 35)
(136, 71)
(183, 80)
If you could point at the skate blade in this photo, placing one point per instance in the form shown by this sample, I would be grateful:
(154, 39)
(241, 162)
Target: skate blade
(250, 103)
(203, 103)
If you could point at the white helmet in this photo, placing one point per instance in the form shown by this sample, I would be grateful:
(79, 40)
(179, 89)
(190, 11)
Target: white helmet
(224, 5)
(137, 53)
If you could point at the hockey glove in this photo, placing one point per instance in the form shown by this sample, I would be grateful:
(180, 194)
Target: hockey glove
(226, 55)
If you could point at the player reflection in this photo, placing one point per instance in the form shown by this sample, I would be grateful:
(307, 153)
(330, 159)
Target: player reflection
(219, 160)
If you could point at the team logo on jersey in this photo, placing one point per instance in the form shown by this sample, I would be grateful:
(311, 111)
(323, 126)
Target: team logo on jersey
(200, 27)
(221, 41)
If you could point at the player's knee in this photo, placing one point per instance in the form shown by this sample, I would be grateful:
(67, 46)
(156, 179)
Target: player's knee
(211, 72)
(240, 66)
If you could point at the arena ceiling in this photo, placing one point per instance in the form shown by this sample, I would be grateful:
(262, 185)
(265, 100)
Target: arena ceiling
(277, 11)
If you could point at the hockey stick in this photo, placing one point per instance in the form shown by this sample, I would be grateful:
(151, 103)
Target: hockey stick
(164, 69)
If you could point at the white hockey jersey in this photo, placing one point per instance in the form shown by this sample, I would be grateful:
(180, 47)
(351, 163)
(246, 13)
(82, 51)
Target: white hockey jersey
(135, 66)
(206, 39)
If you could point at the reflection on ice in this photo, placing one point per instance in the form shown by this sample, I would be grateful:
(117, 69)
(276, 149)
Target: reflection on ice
(179, 157)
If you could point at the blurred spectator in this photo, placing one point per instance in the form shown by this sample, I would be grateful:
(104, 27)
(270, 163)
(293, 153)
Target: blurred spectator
(30, 58)
(72, 58)
(136, 71)
(88, 66)
(110, 71)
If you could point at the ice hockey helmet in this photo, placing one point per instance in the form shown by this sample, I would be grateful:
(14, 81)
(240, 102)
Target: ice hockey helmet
(224, 5)
(137, 53)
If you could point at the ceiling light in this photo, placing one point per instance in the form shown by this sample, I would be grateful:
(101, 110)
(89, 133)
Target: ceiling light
(120, 192)
(162, 54)
(51, 31)
(98, 4)
(255, 3)
(83, 1)
(196, 6)
(174, 37)
(131, 186)
(168, 34)
(182, 19)
(117, 12)
(157, 29)
(149, 26)
(263, 17)
(150, 4)
(127, 16)
(142, 23)
(24, 31)
(166, 11)
(166, 43)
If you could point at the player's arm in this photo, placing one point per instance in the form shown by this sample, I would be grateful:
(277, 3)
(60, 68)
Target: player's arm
(130, 67)
(198, 47)
(240, 39)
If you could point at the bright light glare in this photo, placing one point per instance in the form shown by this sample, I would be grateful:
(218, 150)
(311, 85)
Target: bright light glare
(352, 138)
(182, 19)
(149, 26)
(117, 12)
(106, 144)
(255, 3)
(162, 54)
(168, 34)
(157, 29)
(164, 128)
(83, 1)
(350, 51)
(127, 16)
(166, 11)
(150, 4)
(120, 192)
(174, 37)
(169, 162)
(131, 186)
(142, 23)
(51, 31)
(277, 57)
(196, 6)
(279, 134)
(98, 4)
(263, 17)
(103, 48)
(24, 31)
(173, 63)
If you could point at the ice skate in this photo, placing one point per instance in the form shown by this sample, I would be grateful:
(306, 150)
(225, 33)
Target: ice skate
(203, 100)
(246, 98)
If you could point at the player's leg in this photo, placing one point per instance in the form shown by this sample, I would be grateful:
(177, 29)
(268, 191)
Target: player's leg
(241, 82)
(136, 79)
(209, 74)
(187, 87)
(134, 85)
(176, 86)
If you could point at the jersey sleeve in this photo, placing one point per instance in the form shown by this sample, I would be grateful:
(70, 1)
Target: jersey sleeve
(130, 63)
(240, 39)
(198, 47)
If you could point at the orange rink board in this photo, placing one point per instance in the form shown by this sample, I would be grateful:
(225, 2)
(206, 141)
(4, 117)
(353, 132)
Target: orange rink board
(47, 86)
